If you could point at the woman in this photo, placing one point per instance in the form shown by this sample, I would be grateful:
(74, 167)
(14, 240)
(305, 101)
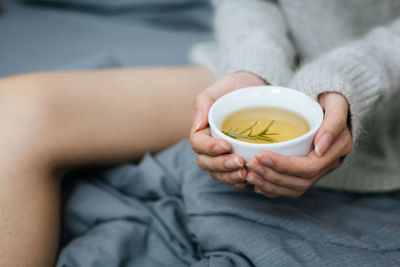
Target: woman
(52, 123)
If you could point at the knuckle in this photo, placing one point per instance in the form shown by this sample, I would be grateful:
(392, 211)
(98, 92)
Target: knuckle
(214, 175)
(273, 179)
(348, 147)
(229, 80)
(217, 175)
(200, 162)
(280, 168)
(271, 190)
(341, 121)
(218, 163)
(209, 148)
(36, 116)
(303, 186)
(193, 144)
(223, 177)
(312, 169)
(267, 172)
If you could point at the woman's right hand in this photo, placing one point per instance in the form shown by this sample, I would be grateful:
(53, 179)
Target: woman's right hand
(213, 153)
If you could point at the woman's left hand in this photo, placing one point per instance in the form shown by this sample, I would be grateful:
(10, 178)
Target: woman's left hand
(277, 175)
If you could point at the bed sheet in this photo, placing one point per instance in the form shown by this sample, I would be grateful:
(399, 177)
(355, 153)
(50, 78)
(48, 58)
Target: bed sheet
(46, 36)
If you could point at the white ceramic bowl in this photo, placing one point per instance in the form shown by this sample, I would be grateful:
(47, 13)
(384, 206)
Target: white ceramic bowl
(268, 96)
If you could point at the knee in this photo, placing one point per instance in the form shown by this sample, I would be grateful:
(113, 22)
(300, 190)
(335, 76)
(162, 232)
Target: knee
(24, 122)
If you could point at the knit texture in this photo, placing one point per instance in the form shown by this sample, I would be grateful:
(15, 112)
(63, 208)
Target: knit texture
(238, 32)
(347, 46)
(362, 71)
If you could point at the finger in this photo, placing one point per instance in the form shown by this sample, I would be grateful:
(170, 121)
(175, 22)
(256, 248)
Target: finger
(203, 143)
(232, 82)
(322, 174)
(335, 121)
(203, 101)
(271, 188)
(288, 181)
(201, 106)
(224, 163)
(330, 168)
(290, 165)
(259, 191)
(340, 147)
(239, 186)
(310, 165)
(232, 178)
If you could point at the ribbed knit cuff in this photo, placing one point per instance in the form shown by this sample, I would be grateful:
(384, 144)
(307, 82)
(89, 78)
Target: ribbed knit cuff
(266, 60)
(349, 71)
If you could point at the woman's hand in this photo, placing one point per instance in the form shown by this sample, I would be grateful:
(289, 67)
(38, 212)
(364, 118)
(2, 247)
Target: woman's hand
(276, 175)
(212, 153)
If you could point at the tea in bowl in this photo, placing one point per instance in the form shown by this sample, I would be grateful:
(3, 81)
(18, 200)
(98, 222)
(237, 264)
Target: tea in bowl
(266, 118)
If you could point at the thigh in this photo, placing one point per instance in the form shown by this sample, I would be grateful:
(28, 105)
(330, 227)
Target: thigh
(111, 116)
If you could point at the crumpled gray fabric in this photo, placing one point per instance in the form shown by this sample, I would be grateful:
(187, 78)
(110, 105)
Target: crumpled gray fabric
(165, 211)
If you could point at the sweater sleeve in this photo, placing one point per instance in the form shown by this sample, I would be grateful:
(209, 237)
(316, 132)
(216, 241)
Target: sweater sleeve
(252, 36)
(364, 71)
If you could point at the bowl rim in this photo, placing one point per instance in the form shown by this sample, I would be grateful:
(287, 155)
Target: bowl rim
(284, 144)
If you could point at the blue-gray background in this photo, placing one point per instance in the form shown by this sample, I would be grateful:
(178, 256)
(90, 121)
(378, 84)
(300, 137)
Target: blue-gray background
(81, 34)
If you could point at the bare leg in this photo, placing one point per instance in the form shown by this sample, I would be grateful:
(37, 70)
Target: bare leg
(52, 122)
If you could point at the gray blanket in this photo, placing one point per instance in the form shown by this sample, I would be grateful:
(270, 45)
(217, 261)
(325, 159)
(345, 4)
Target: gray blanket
(167, 212)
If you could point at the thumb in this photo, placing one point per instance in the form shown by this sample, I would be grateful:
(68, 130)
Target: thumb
(226, 84)
(336, 110)
(201, 106)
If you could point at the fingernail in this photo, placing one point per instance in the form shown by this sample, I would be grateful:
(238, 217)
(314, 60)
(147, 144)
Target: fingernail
(220, 148)
(251, 163)
(264, 160)
(237, 176)
(236, 179)
(233, 163)
(323, 144)
(255, 181)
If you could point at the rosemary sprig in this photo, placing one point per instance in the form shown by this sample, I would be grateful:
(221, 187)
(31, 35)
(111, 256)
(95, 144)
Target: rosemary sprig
(262, 136)
(250, 128)
(266, 128)
(238, 135)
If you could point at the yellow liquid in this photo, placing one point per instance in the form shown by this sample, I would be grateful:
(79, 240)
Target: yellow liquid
(287, 125)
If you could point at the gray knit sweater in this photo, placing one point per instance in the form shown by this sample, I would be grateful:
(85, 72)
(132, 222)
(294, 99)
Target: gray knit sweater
(348, 46)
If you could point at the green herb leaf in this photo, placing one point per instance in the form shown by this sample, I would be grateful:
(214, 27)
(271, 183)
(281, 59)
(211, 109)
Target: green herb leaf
(238, 135)
(262, 136)
(266, 129)
(250, 128)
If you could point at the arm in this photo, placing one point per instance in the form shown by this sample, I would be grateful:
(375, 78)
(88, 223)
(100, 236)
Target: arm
(252, 37)
(363, 71)
(354, 76)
